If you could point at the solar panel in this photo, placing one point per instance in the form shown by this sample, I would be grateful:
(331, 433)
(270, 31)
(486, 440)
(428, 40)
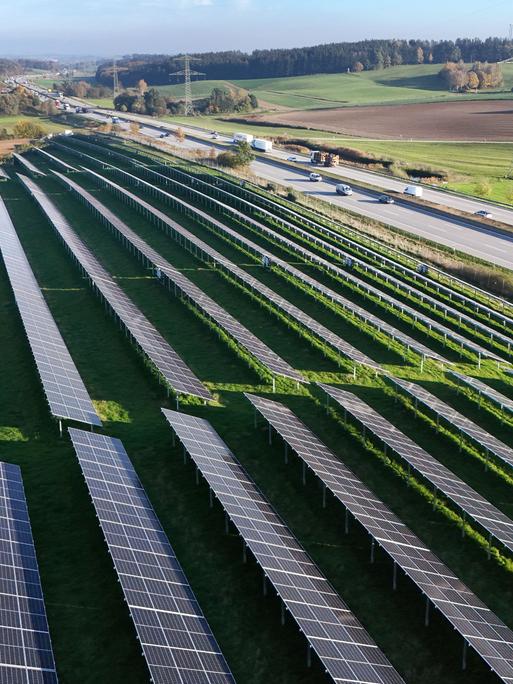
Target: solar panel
(177, 281)
(161, 355)
(175, 638)
(372, 254)
(429, 322)
(26, 654)
(29, 166)
(478, 625)
(65, 392)
(3, 174)
(484, 440)
(320, 331)
(343, 646)
(52, 157)
(312, 257)
(472, 504)
(505, 403)
(330, 294)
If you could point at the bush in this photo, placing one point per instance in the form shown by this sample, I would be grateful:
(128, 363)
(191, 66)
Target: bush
(28, 129)
(228, 160)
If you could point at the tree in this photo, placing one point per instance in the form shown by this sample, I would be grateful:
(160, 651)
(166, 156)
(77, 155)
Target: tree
(473, 81)
(134, 127)
(357, 67)
(142, 86)
(28, 129)
(420, 55)
(244, 153)
(180, 134)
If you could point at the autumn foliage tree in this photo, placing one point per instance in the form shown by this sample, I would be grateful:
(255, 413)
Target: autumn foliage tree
(28, 129)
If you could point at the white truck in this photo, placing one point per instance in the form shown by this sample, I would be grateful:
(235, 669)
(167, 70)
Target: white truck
(262, 145)
(413, 190)
(242, 137)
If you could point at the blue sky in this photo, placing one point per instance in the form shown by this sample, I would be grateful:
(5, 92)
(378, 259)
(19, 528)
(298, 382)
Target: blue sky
(115, 27)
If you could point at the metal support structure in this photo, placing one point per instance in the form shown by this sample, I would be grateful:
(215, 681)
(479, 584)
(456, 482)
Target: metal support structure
(187, 73)
(426, 613)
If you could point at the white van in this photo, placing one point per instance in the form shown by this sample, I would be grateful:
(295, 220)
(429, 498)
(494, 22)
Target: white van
(315, 177)
(343, 189)
(413, 190)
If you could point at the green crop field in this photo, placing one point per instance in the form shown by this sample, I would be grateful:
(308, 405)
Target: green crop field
(93, 638)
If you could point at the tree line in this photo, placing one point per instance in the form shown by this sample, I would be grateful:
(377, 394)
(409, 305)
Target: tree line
(151, 101)
(82, 89)
(329, 58)
(11, 67)
(460, 77)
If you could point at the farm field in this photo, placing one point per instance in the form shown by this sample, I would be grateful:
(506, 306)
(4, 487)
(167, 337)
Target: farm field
(8, 122)
(93, 637)
(486, 120)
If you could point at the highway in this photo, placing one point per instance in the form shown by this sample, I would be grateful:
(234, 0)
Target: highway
(465, 235)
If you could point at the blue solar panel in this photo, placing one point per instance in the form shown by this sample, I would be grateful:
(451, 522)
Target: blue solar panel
(26, 655)
(176, 639)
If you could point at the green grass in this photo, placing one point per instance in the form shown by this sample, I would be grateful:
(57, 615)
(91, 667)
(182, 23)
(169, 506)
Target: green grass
(400, 84)
(91, 631)
(50, 126)
(200, 88)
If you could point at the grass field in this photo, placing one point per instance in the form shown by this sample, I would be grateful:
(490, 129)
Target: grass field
(50, 126)
(399, 85)
(91, 631)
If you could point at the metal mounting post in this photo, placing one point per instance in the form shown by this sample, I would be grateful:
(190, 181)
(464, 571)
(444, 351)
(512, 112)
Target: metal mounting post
(426, 613)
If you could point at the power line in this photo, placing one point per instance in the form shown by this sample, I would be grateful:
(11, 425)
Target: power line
(187, 73)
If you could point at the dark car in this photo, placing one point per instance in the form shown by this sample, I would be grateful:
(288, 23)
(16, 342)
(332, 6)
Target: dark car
(385, 199)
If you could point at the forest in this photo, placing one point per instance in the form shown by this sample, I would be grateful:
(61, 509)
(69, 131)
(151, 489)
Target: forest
(329, 58)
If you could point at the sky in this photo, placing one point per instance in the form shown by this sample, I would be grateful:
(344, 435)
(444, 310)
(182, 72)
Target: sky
(117, 27)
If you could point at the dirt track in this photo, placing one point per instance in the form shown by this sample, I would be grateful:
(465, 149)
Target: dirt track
(471, 120)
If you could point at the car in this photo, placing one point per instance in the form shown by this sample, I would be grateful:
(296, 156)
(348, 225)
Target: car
(315, 177)
(385, 199)
(292, 159)
(343, 189)
(165, 135)
(215, 135)
(483, 213)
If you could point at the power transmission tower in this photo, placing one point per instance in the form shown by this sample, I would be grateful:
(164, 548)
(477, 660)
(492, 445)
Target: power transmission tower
(511, 31)
(115, 79)
(187, 73)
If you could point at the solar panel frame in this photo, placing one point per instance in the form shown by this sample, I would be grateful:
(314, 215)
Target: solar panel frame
(491, 520)
(171, 627)
(55, 159)
(319, 331)
(177, 281)
(29, 166)
(476, 434)
(63, 387)
(478, 625)
(26, 653)
(505, 403)
(343, 646)
(157, 351)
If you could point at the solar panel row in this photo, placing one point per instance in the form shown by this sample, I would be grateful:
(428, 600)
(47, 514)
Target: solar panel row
(362, 285)
(53, 158)
(320, 331)
(29, 166)
(260, 202)
(369, 268)
(65, 392)
(330, 294)
(344, 647)
(161, 355)
(312, 257)
(505, 403)
(175, 279)
(484, 440)
(26, 655)
(478, 625)
(470, 502)
(176, 640)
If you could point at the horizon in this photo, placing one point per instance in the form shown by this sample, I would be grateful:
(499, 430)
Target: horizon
(57, 29)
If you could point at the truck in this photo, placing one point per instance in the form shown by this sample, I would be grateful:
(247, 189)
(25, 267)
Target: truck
(327, 159)
(242, 137)
(262, 145)
(413, 190)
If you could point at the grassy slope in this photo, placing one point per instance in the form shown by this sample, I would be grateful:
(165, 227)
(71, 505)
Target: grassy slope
(77, 574)
(387, 86)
